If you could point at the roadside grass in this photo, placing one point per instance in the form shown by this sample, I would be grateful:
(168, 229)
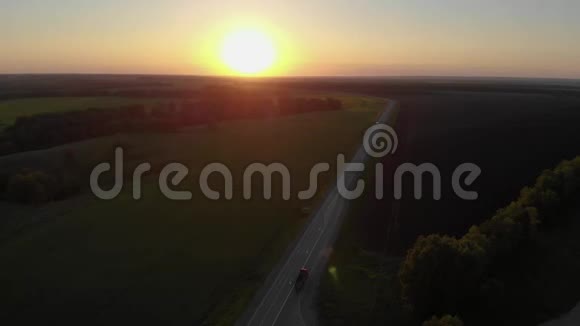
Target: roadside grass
(167, 262)
(10, 110)
(360, 287)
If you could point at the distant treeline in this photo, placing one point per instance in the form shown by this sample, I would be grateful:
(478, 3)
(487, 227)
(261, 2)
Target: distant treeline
(96, 92)
(384, 87)
(469, 276)
(27, 86)
(213, 105)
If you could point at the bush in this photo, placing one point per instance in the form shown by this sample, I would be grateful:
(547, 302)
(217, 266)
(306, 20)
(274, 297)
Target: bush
(6, 147)
(3, 182)
(441, 272)
(444, 321)
(31, 188)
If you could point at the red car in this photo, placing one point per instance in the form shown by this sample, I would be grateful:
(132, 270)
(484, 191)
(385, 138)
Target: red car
(301, 280)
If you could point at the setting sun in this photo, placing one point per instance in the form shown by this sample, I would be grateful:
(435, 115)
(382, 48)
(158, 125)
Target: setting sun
(248, 52)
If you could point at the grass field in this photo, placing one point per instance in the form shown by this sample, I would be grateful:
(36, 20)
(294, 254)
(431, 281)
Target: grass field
(166, 262)
(12, 109)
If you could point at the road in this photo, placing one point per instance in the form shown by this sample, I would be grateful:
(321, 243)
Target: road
(277, 303)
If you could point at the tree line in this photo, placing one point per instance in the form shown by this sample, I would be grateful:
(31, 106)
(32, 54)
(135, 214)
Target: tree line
(216, 104)
(443, 274)
(51, 129)
(32, 186)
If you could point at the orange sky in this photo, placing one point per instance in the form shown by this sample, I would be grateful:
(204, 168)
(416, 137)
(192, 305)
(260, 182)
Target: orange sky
(325, 37)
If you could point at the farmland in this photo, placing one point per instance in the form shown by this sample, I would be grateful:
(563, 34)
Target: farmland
(513, 137)
(160, 260)
(84, 260)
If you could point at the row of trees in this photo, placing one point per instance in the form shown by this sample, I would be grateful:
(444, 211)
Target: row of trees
(16, 87)
(32, 187)
(443, 274)
(216, 104)
(446, 320)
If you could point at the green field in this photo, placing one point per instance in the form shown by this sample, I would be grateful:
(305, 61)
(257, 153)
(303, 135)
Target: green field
(167, 262)
(10, 110)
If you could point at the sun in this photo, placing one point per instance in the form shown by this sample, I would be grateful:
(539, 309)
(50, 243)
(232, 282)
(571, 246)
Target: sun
(248, 52)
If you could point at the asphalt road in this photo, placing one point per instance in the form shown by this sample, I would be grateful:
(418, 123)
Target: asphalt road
(278, 303)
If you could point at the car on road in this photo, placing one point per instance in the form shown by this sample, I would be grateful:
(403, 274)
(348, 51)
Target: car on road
(301, 279)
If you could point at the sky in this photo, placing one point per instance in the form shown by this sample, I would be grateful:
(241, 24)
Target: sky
(516, 38)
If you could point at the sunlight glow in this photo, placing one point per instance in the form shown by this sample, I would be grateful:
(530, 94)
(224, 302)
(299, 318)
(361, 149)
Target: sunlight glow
(248, 52)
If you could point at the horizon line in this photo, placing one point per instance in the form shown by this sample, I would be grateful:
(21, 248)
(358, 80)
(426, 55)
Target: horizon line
(338, 76)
